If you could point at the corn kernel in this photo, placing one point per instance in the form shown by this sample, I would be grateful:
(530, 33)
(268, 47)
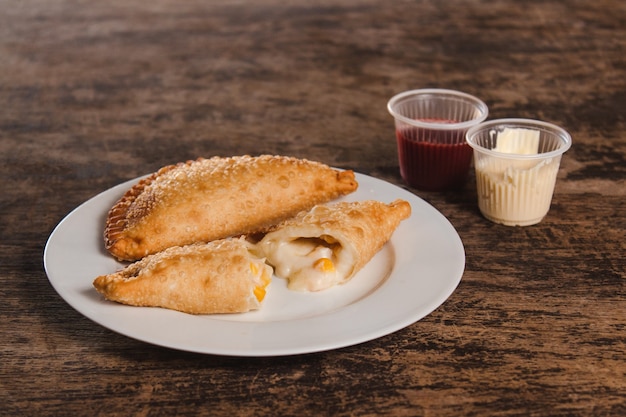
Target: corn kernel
(254, 268)
(324, 265)
(259, 293)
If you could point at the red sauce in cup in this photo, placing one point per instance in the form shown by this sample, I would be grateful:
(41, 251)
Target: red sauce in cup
(433, 159)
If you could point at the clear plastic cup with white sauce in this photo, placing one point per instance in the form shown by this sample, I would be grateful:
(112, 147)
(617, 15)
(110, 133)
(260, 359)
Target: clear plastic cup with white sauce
(516, 163)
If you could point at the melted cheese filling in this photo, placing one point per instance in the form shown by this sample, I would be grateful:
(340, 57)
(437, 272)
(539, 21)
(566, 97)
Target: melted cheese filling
(309, 264)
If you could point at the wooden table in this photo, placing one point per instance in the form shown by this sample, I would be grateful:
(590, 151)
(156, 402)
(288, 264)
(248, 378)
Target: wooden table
(95, 93)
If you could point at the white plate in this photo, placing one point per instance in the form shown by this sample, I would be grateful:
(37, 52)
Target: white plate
(410, 277)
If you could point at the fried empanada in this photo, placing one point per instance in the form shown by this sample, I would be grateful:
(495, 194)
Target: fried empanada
(210, 199)
(329, 244)
(222, 276)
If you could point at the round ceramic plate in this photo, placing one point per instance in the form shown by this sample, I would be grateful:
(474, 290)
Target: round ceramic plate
(414, 273)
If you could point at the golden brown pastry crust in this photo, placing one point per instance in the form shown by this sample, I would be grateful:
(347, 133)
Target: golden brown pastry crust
(355, 231)
(209, 199)
(218, 277)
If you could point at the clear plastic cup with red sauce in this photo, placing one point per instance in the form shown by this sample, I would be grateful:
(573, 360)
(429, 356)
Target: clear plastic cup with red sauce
(430, 131)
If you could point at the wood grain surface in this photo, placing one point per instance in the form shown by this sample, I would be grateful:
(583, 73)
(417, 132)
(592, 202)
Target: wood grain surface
(96, 93)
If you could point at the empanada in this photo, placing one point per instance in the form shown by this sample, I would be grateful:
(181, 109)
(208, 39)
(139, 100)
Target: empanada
(209, 199)
(218, 277)
(329, 244)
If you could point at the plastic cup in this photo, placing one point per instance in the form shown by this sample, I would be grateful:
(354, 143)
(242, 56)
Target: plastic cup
(516, 163)
(430, 132)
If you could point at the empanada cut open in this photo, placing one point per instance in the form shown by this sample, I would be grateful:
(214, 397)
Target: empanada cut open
(329, 244)
(222, 276)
